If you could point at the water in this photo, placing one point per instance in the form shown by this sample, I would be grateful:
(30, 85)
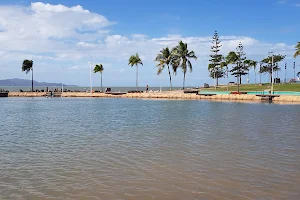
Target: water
(253, 93)
(53, 148)
(276, 93)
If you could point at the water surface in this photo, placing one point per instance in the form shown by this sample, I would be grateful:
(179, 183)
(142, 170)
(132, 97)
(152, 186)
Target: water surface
(73, 148)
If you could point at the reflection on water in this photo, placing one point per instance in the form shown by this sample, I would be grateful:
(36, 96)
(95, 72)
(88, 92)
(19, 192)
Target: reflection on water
(137, 149)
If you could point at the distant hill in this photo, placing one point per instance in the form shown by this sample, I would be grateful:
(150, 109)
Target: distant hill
(25, 83)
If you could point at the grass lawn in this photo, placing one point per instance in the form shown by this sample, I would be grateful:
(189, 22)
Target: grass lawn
(295, 87)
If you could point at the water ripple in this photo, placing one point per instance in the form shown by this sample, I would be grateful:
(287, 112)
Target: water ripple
(144, 149)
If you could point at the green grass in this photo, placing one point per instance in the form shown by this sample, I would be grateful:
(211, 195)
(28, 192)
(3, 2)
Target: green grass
(252, 87)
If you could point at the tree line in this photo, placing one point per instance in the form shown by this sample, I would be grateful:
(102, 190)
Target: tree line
(179, 57)
(240, 65)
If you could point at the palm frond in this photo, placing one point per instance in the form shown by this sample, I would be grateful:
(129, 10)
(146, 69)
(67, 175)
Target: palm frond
(134, 60)
(98, 68)
(190, 65)
(297, 53)
(27, 66)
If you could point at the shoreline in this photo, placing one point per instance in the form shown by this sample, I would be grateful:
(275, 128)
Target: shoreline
(165, 95)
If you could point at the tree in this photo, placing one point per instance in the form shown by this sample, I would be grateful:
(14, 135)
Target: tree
(182, 56)
(240, 69)
(249, 64)
(27, 66)
(297, 53)
(267, 64)
(135, 60)
(224, 64)
(99, 69)
(260, 71)
(298, 74)
(165, 59)
(254, 64)
(216, 72)
(214, 68)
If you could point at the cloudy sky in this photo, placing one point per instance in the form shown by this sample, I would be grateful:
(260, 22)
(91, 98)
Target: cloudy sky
(70, 33)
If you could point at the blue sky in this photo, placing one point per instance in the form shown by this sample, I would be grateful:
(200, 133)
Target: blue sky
(109, 32)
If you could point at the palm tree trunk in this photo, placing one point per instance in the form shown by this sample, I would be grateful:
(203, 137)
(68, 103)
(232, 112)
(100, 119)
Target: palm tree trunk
(101, 83)
(170, 78)
(217, 81)
(183, 79)
(255, 77)
(240, 79)
(238, 84)
(248, 77)
(227, 78)
(259, 78)
(31, 79)
(137, 73)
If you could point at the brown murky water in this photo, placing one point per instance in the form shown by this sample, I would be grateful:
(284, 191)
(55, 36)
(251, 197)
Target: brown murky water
(143, 149)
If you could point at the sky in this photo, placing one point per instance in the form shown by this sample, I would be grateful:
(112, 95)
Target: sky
(67, 34)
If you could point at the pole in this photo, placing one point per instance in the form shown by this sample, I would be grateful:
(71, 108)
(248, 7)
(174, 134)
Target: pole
(260, 64)
(62, 85)
(32, 74)
(272, 88)
(227, 78)
(295, 71)
(91, 87)
(137, 76)
(215, 79)
(285, 73)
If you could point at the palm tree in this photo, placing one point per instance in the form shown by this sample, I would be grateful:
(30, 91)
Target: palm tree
(267, 64)
(164, 58)
(27, 66)
(223, 64)
(249, 64)
(260, 71)
(99, 68)
(254, 64)
(232, 59)
(297, 53)
(181, 58)
(135, 60)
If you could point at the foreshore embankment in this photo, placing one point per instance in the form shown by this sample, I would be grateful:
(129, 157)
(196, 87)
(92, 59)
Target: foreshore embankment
(163, 95)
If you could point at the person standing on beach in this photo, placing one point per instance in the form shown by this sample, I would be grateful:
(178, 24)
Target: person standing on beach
(147, 88)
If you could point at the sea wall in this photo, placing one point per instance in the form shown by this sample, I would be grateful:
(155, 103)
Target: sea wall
(26, 94)
(284, 98)
(163, 95)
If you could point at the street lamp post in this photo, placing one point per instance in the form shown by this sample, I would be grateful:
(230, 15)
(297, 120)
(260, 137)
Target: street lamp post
(272, 77)
(91, 87)
(294, 70)
(62, 85)
(272, 88)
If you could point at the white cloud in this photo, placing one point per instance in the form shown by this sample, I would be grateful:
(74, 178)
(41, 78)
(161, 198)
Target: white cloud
(86, 45)
(42, 25)
(40, 7)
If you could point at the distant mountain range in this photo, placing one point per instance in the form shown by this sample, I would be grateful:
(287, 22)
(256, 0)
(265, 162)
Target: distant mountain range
(25, 83)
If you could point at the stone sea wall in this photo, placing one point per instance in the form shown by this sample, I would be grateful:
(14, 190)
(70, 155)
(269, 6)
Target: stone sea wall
(163, 95)
(26, 94)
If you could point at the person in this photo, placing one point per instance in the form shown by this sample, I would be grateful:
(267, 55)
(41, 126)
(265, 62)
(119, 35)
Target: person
(147, 88)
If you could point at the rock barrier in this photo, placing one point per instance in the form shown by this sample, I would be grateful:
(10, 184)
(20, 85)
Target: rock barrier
(163, 95)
